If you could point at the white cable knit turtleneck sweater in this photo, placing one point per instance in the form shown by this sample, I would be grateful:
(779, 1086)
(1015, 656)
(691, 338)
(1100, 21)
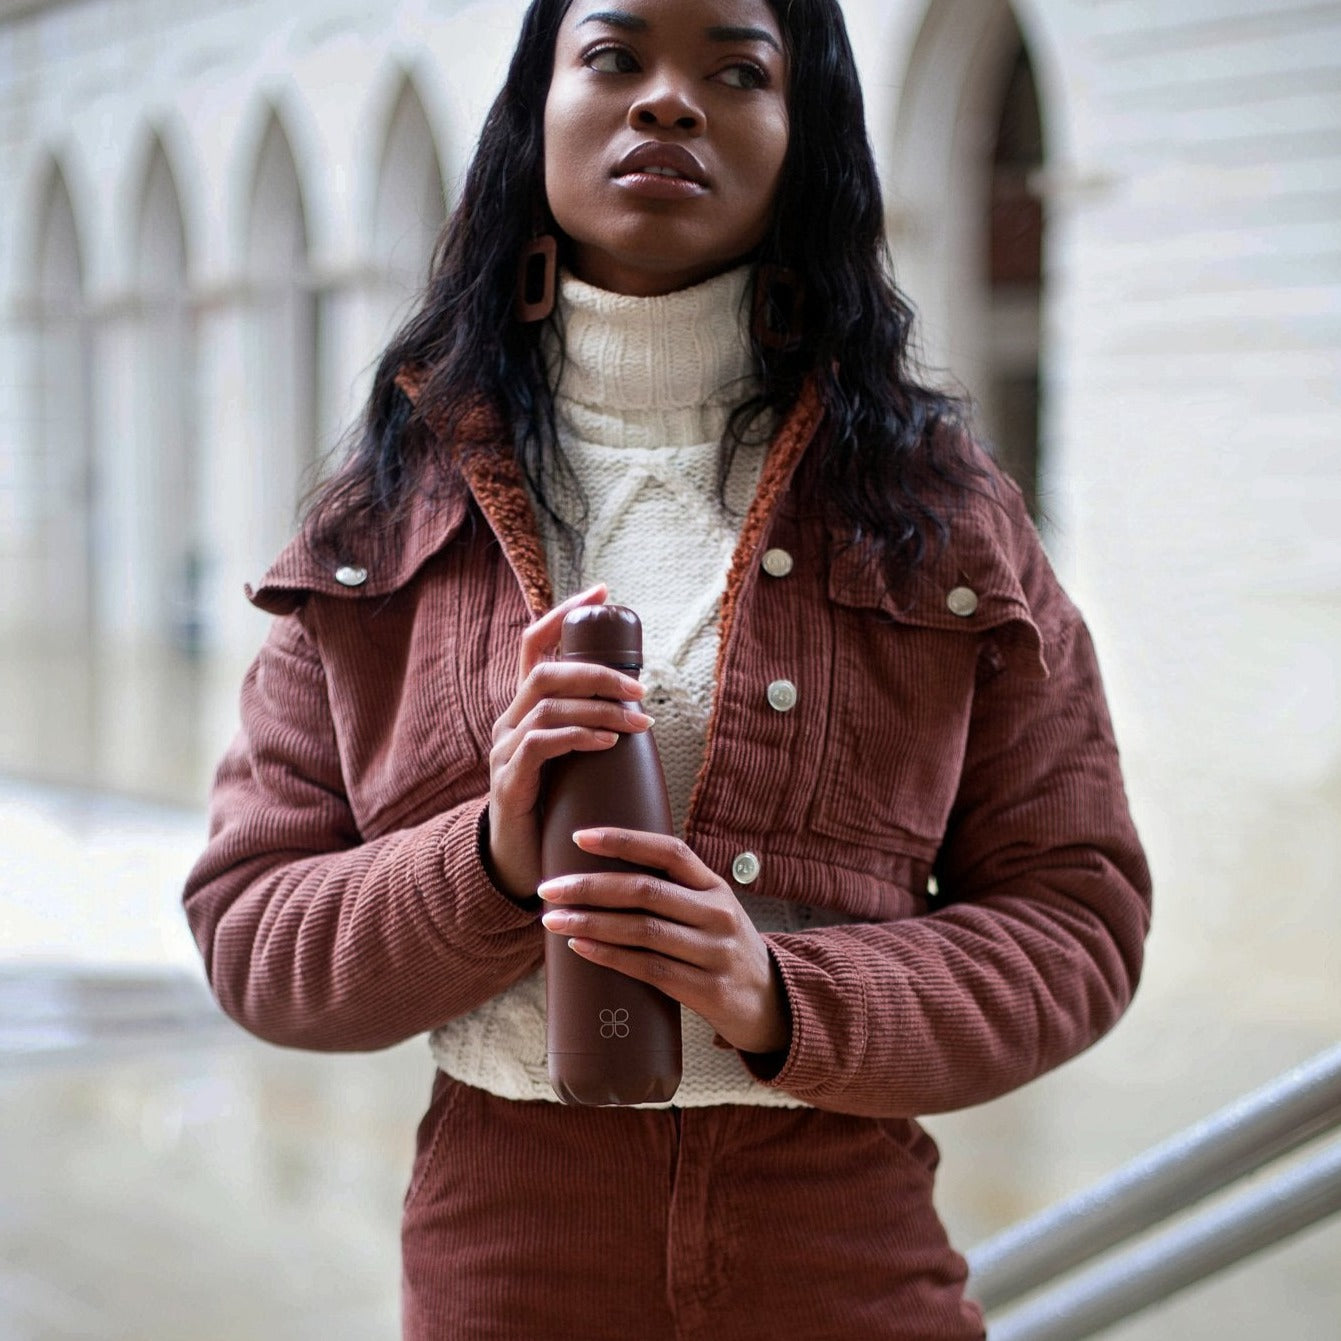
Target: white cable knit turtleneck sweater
(643, 395)
(642, 402)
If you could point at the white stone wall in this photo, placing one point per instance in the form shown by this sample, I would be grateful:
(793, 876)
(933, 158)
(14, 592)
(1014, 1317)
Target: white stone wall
(1191, 441)
(1191, 472)
(284, 133)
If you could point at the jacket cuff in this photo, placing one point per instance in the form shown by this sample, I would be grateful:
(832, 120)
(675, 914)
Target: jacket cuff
(454, 877)
(829, 1027)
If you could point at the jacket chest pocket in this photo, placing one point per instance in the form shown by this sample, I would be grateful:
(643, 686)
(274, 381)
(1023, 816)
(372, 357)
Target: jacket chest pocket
(899, 712)
(902, 696)
(413, 692)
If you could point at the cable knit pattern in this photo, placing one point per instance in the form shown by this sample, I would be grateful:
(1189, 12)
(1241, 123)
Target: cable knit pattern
(644, 392)
(643, 398)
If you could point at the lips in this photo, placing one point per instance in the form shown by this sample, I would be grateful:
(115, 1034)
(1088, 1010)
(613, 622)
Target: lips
(672, 162)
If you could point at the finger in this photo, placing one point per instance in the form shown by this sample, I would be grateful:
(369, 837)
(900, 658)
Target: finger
(681, 981)
(625, 892)
(662, 852)
(541, 637)
(597, 713)
(519, 775)
(637, 931)
(571, 680)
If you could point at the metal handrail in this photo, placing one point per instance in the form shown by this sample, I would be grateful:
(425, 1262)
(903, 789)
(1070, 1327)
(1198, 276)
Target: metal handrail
(1262, 1126)
(62, 1016)
(1211, 1241)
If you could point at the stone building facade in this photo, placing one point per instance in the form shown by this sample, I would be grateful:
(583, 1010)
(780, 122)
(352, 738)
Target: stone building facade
(1120, 221)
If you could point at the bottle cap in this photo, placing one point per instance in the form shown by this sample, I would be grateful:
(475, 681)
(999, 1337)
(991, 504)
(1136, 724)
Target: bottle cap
(611, 634)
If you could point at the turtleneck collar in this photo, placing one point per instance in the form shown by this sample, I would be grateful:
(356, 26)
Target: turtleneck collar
(652, 372)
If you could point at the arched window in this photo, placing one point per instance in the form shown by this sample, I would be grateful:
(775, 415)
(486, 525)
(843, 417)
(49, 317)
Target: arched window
(47, 675)
(1015, 274)
(166, 403)
(410, 206)
(282, 341)
(969, 238)
(62, 517)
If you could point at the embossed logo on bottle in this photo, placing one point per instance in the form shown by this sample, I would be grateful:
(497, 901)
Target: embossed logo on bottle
(615, 1023)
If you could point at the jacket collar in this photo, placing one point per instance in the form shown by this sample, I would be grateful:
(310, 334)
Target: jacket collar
(973, 585)
(379, 564)
(483, 453)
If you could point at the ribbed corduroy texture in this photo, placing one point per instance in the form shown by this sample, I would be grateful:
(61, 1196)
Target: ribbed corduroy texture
(701, 1224)
(341, 902)
(642, 398)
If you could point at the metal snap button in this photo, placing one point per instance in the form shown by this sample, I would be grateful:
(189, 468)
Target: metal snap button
(962, 601)
(745, 869)
(351, 575)
(782, 695)
(778, 563)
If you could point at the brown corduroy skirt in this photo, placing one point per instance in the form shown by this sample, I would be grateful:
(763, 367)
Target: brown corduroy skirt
(536, 1222)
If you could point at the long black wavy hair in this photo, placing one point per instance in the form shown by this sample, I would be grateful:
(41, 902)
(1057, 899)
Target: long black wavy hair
(891, 455)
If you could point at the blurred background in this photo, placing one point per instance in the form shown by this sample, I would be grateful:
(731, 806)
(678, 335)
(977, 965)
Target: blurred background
(1120, 221)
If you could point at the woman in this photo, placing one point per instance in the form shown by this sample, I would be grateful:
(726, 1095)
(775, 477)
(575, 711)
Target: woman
(906, 879)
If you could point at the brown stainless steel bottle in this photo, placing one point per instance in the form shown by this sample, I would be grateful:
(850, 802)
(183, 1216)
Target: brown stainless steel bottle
(611, 1039)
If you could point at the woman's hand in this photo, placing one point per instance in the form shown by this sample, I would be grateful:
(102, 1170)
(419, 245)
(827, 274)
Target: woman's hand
(683, 931)
(560, 706)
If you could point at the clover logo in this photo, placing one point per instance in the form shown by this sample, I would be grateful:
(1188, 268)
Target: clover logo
(615, 1023)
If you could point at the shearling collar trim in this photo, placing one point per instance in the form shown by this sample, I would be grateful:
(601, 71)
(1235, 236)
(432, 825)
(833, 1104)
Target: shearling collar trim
(983, 558)
(482, 453)
(374, 568)
(788, 447)
(383, 564)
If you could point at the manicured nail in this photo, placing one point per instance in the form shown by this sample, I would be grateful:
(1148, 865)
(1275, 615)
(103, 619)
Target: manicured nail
(554, 888)
(557, 920)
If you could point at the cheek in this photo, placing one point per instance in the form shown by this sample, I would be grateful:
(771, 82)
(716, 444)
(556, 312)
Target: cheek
(769, 156)
(776, 140)
(569, 161)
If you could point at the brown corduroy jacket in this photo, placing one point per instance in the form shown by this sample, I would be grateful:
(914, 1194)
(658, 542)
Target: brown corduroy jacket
(948, 775)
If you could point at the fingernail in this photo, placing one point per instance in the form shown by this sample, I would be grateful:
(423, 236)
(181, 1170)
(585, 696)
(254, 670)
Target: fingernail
(553, 888)
(640, 720)
(607, 737)
(557, 920)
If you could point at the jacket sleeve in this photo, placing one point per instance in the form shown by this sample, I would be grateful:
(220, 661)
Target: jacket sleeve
(1035, 946)
(312, 938)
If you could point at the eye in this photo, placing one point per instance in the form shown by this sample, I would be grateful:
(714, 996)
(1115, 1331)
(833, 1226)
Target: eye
(745, 74)
(611, 60)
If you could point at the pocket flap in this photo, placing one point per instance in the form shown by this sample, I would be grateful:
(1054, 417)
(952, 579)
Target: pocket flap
(960, 592)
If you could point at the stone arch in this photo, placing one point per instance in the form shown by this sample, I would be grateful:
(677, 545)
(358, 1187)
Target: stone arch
(970, 69)
(409, 207)
(166, 398)
(282, 338)
(62, 515)
(49, 540)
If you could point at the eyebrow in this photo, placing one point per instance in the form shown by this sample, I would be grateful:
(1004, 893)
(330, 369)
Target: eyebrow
(618, 18)
(721, 34)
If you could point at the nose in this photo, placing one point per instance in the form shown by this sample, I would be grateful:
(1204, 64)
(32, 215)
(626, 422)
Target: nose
(667, 103)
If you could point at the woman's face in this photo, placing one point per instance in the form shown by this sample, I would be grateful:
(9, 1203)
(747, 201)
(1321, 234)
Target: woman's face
(665, 133)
